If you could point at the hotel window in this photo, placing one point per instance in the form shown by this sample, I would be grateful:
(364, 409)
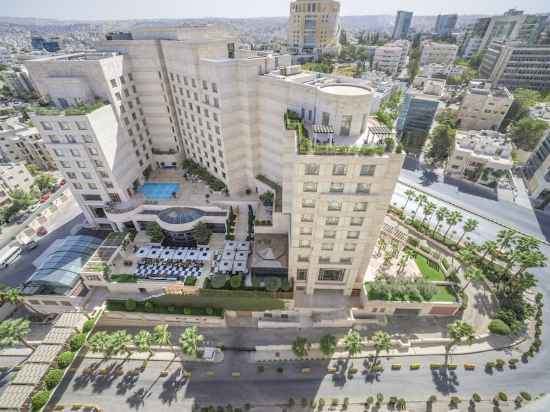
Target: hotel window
(214, 87)
(306, 231)
(311, 169)
(363, 188)
(336, 187)
(327, 246)
(81, 125)
(216, 102)
(63, 126)
(310, 187)
(77, 186)
(75, 153)
(87, 175)
(114, 83)
(46, 125)
(357, 221)
(334, 206)
(93, 151)
(303, 258)
(301, 274)
(71, 175)
(329, 234)
(58, 153)
(334, 275)
(308, 203)
(204, 85)
(368, 170)
(339, 170)
(54, 139)
(332, 221)
(345, 126)
(325, 121)
(92, 186)
(350, 247)
(353, 234)
(81, 165)
(360, 207)
(304, 244)
(98, 163)
(66, 165)
(307, 218)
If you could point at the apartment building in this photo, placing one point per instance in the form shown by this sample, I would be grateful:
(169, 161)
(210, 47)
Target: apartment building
(402, 25)
(514, 65)
(438, 53)
(15, 176)
(392, 57)
(483, 106)
(19, 142)
(314, 27)
(537, 168)
(127, 118)
(480, 155)
(445, 24)
(17, 81)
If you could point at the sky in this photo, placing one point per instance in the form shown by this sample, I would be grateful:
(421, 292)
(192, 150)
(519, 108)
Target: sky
(140, 9)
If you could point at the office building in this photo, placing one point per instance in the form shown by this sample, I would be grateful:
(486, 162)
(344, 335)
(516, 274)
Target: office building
(15, 176)
(437, 53)
(402, 24)
(537, 168)
(20, 142)
(473, 37)
(125, 122)
(513, 65)
(445, 24)
(391, 58)
(483, 106)
(51, 45)
(314, 27)
(419, 107)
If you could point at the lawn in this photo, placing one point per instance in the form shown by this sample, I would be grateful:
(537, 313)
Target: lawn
(428, 268)
(443, 294)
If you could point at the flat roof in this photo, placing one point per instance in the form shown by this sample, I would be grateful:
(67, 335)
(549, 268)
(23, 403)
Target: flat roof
(345, 90)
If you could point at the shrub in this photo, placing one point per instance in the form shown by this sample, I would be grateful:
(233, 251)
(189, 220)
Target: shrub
(149, 306)
(236, 281)
(286, 285)
(209, 311)
(476, 397)
(53, 377)
(379, 397)
(490, 365)
(88, 325)
(455, 400)
(370, 400)
(130, 305)
(435, 366)
(190, 281)
(525, 395)
(65, 359)
(218, 281)
(77, 341)
(502, 396)
(40, 399)
(498, 327)
(415, 366)
(432, 399)
(187, 311)
(469, 366)
(171, 309)
(273, 284)
(500, 363)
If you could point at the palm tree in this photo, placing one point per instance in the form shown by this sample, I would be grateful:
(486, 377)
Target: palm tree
(411, 194)
(328, 345)
(472, 274)
(469, 226)
(301, 346)
(440, 216)
(407, 254)
(14, 331)
(505, 239)
(529, 259)
(381, 245)
(460, 332)
(190, 341)
(162, 336)
(99, 342)
(429, 209)
(353, 342)
(468, 254)
(382, 342)
(13, 296)
(420, 200)
(201, 233)
(120, 342)
(453, 219)
(143, 341)
(489, 247)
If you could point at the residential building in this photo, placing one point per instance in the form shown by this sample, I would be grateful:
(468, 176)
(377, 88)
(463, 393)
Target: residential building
(402, 25)
(484, 106)
(473, 37)
(15, 176)
(19, 142)
(438, 53)
(441, 70)
(174, 95)
(392, 57)
(419, 107)
(514, 65)
(17, 81)
(481, 156)
(314, 27)
(537, 168)
(445, 24)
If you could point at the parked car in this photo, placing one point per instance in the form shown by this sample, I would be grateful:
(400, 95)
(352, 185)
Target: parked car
(42, 231)
(45, 197)
(29, 245)
(62, 182)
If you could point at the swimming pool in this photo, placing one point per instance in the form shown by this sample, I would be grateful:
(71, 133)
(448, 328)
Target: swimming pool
(159, 190)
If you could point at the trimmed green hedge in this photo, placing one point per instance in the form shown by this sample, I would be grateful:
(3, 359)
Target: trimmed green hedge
(53, 377)
(498, 327)
(153, 307)
(39, 400)
(88, 325)
(77, 341)
(65, 359)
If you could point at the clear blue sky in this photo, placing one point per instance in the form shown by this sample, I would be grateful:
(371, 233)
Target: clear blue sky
(137, 9)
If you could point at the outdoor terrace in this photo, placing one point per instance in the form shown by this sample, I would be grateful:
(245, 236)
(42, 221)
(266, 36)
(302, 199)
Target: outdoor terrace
(76, 110)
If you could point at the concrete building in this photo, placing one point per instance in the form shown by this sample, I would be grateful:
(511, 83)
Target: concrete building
(515, 65)
(15, 176)
(392, 57)
(125, 122)
(537, 168)
(419, 107)
(441, 70)
(20, 142)
(445, 24)
(481, 156)
(438, 53)
(17, 81)
(483, 106)
(402, 25)
(314, 27)
(473, 37)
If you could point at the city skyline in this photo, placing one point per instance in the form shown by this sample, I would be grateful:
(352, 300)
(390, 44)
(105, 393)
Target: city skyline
(127, 9)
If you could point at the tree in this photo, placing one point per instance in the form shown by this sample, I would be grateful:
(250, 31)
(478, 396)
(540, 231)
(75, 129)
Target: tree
(382, 342)
(407, 254)
(201, 233)
(442, 141)
(120, 341)
(328, 345)
(301, 346)
(460, 332)
(190, 341)
(472, 274)
(524, 99)
(162, 336)
(489, 247)
(411, 194)
(469, 226)
(381, 245)
(13, 296)
(14, 331)
(527, 132)
(353, 342)
(154, 231)
(343, 37)
(44, 181)
(99, 342)
(143, 341)
(448, 117)
(440, 216)
(428, 211)
(506, 238)
(453, 219)
(421, 199)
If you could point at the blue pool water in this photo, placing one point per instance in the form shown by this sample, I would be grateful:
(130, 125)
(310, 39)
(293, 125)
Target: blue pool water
(159, 190)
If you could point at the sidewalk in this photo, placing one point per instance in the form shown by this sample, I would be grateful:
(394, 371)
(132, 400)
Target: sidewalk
(211, 355)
